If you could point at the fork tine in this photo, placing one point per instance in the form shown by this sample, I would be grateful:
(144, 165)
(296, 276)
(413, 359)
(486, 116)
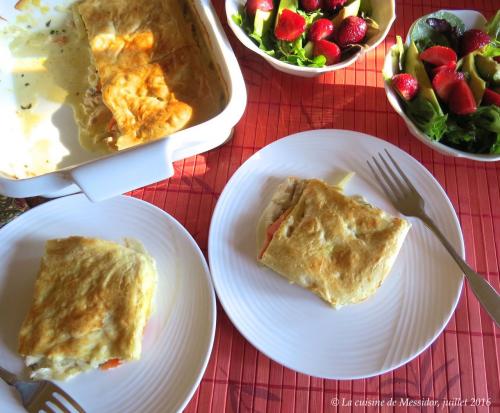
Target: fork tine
(403, 175)
(55, 401)
(69, 399)
(387, 179)
(47, 409)
(395, 177)
(384, 187)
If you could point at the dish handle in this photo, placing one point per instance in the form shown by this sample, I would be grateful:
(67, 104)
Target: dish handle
(124, 171)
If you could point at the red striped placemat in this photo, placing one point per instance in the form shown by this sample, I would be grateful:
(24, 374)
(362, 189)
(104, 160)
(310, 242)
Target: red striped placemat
(463, 366)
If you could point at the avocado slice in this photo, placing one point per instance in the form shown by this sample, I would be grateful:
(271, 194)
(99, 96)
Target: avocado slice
(351, 9)
(414, 66)
(488, 69)
(262, 22)
(476, 84)
(309, 50)
(292, 5)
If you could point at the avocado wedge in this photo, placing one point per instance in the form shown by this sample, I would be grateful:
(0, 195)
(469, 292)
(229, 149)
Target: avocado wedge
(292, 5)
(351, 9)
(309, 50)
(414, 66)
(488, 69)
(262, 22)
(476, 83)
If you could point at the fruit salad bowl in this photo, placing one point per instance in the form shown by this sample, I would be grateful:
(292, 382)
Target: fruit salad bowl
(455, 101)
(381, 11)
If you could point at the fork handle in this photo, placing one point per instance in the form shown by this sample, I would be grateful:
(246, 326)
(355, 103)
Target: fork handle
(485, 293)
(7, 376)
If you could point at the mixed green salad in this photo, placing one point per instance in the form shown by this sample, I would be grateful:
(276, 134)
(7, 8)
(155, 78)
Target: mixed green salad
(448, 79)
(311, 33)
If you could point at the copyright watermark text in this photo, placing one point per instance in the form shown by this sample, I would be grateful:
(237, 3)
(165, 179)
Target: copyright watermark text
(410, 402)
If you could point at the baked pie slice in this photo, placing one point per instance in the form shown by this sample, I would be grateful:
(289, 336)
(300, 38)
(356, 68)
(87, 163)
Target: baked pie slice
(339, 247)
(91, 303)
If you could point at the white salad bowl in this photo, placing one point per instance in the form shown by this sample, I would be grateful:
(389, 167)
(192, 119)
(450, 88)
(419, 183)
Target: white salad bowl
(472, 20)
(383, 13)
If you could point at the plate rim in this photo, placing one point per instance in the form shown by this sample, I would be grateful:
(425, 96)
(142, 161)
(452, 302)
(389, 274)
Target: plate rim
(79, 197)
(362, 135)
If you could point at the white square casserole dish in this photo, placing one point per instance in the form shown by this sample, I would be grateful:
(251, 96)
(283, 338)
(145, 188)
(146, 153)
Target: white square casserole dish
(101, 177)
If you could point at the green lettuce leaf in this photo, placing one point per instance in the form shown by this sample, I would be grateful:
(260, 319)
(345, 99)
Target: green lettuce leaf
(478, 132)
(493, 26)
(492, 49)
(310, 17)
(425, 116)
(424, 36)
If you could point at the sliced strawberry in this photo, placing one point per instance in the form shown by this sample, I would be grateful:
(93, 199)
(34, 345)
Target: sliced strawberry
(328, 49)
(406, 85)
(449, 66)
(491, 97)
(438, 55)
(461, 99)
(333, 4)
(445, 81)
(290, 26)
(472, 40)
(320, 29)
(310, 5)
(253, 5)
(352, 30)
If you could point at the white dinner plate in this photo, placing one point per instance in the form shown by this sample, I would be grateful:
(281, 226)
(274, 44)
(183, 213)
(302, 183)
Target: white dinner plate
(292, 325)
(178, 337)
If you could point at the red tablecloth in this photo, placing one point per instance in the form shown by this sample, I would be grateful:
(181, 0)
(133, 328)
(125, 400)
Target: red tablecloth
(463, 364)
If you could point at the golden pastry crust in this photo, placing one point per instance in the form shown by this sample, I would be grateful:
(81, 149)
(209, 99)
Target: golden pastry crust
(339, 247)
(91, 303)
(124, 36)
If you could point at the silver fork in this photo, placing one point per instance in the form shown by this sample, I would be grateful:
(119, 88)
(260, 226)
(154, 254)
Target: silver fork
(408, 201)
(36, 393)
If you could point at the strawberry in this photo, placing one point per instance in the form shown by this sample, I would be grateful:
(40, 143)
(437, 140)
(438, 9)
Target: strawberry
(333, 4)
(497, 59)
(352, 30)
(310, 5)
(406, 85)
(450, 66)
(290, 26)
(491, 97)
(473, 39)
(461, 99)
(438, 55)
(328, 49)
(445, 81)
(320, 29)
(253, 5)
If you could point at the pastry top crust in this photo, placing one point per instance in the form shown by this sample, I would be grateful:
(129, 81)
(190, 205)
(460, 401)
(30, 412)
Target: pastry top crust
(337, 246)
(91, 302)
(144, 52)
